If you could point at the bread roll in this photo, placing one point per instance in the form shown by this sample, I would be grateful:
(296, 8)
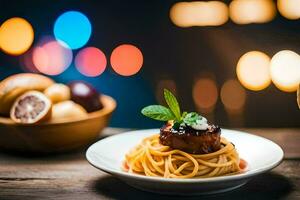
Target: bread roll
(68, 110)
(58, 92)
(15, 85)
(31, 107)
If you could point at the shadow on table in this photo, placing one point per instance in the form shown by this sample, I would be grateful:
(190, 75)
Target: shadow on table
(265, 186)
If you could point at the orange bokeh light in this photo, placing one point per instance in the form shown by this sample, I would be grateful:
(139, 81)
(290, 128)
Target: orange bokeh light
(252, 11)
(233, 96)
(199, 13)
(16, 36)
(126, 60)
(290, 9)
(90, 61)
(205, 94)
(52, 57)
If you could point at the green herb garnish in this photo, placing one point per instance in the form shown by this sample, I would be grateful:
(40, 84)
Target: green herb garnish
(173, 112)
(191, 118)
(158, 112)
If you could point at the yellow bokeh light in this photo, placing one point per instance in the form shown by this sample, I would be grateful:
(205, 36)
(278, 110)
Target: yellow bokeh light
(16, 36)
(205, 94)
(290, 9)
(285, 70)
(252, 11)
(253, 70)
(199, 13)
(233, 96)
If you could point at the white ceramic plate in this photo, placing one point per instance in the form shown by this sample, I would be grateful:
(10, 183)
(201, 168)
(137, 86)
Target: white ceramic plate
(261, 154)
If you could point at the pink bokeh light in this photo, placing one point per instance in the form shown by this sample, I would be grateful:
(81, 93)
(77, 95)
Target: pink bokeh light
(52, 57)
(90, 61)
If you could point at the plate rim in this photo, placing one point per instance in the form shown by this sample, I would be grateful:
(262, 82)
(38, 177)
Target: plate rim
(248, 175)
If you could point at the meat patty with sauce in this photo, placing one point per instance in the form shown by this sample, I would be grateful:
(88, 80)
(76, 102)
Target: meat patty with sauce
(190, 140)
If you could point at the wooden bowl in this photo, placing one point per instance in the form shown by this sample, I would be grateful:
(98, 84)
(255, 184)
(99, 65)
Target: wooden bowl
(57, 136)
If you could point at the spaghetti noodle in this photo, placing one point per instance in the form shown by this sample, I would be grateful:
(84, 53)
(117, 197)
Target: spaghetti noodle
(151, 158)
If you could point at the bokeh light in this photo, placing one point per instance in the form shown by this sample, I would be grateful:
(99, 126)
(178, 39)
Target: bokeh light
(26, 62)
(126, 60)
(16, 36)
(165, 84)
(73, 28)
(252, 11)
(253, 70)
(298, 96)
(290, 9)
(285, 70)
(205, 94)
(199, 13)
(233, 96)
(90, 61)
(52, 57)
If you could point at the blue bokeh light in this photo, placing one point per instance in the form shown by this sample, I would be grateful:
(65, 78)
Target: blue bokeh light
(74, 28)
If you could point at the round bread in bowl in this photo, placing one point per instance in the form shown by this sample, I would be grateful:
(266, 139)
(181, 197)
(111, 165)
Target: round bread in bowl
(57, 135)
(14, 86)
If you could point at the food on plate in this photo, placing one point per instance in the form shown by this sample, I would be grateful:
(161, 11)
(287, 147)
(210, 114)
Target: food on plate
(31, 107)
(85, 95)
(68, 109)
(58, 92)
(188, 146)
(191, 140)
(14, 86)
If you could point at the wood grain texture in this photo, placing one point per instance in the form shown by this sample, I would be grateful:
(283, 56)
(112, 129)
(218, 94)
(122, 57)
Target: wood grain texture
(69, 176)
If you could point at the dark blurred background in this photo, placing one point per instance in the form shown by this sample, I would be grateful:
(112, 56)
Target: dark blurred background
(174, 58)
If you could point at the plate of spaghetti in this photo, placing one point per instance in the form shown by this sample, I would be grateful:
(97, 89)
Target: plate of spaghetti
(188, 155)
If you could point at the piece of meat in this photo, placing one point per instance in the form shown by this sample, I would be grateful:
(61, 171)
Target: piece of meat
(190, 140)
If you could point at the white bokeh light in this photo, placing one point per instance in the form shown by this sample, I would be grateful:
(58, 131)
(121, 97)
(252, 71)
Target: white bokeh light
(285, 70)
(253, 70)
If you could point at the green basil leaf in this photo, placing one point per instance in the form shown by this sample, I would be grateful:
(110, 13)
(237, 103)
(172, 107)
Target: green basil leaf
(158, 112)
(191, 118)
(173, 104)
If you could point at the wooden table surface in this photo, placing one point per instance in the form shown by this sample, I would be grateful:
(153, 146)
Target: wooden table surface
(69, 176)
